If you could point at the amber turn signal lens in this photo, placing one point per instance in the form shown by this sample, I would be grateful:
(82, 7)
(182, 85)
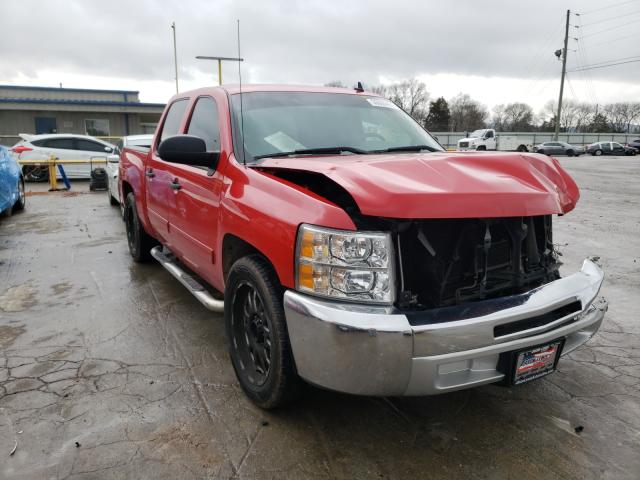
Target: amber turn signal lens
(305, 275)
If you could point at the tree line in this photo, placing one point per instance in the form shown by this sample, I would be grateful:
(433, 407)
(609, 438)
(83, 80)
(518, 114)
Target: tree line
(463, 113)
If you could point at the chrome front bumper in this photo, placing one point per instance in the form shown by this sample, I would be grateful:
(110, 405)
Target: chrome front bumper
(373, 350)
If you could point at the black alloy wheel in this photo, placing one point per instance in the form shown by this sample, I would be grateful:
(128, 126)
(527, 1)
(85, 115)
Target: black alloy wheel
(140, 242)
(257, 334)
(251, 330)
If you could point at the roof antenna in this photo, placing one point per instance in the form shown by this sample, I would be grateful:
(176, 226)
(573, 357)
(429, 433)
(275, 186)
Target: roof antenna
(359, 88)
(244, 159)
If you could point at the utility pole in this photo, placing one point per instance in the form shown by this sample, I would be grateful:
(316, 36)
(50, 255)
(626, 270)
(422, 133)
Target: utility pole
(175, 53)
(220, 60)
(564, 72)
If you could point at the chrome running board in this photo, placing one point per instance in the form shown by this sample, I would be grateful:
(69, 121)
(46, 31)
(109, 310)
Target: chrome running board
(191, 284)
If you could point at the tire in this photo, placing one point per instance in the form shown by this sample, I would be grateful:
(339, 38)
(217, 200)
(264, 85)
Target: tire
(253, 301)
(35, 173)
(541, 152)
(522, 149)
(597, 153)
(481, 148)
(570, 153)
(22, 198)
(140, 242)
(632, 153)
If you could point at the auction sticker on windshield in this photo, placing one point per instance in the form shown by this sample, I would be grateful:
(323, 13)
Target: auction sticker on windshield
(536, 362)
(381, 102)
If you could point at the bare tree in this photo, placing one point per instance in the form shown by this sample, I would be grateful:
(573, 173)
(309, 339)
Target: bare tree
(410, 95)
(498, 117)
(467, 113)
(518, 116)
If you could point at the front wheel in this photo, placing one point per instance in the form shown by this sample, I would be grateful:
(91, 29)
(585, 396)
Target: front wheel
(597, 153)
(257, 333)
(570, 153)
(140, 242)
(482, 148)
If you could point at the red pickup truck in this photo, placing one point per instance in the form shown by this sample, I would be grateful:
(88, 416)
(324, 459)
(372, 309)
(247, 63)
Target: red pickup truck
(352, 251)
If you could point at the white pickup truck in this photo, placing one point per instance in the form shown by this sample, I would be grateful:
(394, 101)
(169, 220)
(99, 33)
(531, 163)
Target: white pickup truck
(487, 139)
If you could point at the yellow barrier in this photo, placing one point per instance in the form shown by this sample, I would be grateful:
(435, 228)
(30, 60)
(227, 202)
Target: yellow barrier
(53, 161)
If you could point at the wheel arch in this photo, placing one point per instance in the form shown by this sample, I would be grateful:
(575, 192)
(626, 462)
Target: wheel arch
(235, 248)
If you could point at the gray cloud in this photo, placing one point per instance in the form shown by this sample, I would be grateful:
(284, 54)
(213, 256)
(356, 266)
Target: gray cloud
(309, 41)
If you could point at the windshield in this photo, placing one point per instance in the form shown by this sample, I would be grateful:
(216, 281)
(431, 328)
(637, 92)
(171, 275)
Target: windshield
(477, 134)
(277, 122)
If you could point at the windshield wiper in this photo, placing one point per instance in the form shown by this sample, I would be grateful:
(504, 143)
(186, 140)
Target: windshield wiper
(407, 148)
(314, 151)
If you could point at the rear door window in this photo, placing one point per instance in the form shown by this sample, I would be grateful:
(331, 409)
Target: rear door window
(59, 143)
(173, 119)
(204, 123)
(89, 146)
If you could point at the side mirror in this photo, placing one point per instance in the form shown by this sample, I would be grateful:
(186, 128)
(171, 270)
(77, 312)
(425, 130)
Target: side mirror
(187, 150)
(108, 149)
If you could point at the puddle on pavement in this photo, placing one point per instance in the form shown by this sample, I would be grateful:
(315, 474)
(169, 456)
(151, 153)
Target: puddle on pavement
(60, 288)
(18, 298)
(9, 333)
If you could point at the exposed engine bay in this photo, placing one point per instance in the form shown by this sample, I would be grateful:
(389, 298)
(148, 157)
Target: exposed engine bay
(443, 262)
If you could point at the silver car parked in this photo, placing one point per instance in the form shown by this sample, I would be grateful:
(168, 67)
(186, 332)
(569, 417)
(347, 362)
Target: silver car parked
(559, 148)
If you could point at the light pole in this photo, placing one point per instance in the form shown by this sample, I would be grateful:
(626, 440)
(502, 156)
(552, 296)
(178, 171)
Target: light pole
(220, 60)
(175, 53)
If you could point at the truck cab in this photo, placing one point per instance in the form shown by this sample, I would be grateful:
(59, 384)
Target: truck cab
(483, 139)
(346, 249)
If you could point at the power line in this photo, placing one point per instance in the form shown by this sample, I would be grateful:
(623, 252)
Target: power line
(612, 60)
(605, 7)
(604, 66)
(630, 14)
(634, 22)
(615, 40)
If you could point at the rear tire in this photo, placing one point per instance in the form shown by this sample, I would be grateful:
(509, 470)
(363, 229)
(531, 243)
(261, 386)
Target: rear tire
(22, 198)
(140, 242)
(541, 152)
(257, 335)
(597, 153)
(522, 149)
(570, 153)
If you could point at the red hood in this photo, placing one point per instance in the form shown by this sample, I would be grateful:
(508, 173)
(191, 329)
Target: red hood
(446, 185)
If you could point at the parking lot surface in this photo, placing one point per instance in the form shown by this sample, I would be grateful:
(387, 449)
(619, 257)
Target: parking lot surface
(109, 369)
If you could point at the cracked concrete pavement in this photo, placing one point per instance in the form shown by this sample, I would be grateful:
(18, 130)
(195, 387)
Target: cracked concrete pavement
(110, 369)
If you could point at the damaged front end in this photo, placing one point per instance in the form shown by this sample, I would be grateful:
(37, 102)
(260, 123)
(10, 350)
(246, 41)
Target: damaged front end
(478, 291)
(445, 262)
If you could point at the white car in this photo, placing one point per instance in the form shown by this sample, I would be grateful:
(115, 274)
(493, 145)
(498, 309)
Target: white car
(113, 160)
(64, 146)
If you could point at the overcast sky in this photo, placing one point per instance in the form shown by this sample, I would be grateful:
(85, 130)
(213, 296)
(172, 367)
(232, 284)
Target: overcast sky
(496, 50)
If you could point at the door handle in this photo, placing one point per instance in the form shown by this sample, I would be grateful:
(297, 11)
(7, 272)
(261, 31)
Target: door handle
(149, 173)
(175, 185)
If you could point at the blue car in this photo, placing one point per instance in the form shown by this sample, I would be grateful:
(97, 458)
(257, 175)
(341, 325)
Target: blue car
(12, 196)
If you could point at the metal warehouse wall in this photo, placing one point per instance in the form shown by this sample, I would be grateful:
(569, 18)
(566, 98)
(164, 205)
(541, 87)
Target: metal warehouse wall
(13, 122)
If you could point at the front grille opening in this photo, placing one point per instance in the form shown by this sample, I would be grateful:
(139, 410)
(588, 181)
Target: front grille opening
(539, 320)
(449, 262)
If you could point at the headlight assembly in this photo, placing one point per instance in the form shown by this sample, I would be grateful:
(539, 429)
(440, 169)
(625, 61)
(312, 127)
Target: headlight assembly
(355, 266)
